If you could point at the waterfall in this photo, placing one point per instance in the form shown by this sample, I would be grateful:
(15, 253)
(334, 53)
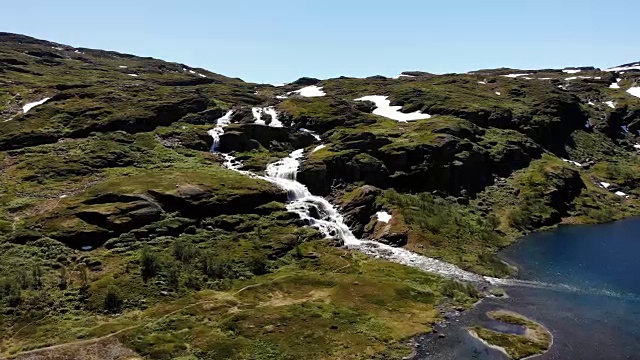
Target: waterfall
(217, 131)
(319, 213)
(322, 215)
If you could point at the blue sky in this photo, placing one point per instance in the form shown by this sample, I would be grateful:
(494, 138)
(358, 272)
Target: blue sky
(281, 40)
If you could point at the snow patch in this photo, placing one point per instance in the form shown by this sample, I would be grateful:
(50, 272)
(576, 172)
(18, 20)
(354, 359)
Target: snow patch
(621, 194)
(615, 84)
(572, 162)
(319, 147)
(122, 67)
(384, 108)
(635, 91)
(30, 106)
(383, 216)
(202, 75)
(498, 93)
(482, 82)
(636, 146)
(611, 104)
(571, 71)
(310, 91)
(134, 75)
(624, 68)
(515, 75)
(605, 185)
(282, 97)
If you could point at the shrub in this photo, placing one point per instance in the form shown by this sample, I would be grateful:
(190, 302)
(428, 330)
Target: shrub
(184, 251)
(258, 265)
(112, 300)
(150, 264)
(214, 267)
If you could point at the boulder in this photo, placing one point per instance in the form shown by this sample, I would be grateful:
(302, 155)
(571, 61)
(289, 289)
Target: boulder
(357, 207)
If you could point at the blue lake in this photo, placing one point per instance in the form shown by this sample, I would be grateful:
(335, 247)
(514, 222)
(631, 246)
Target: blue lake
(590, 300)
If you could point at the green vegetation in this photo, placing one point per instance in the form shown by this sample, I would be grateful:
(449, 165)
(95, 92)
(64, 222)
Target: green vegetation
(450, 231)
(536, 339)
(121, 233)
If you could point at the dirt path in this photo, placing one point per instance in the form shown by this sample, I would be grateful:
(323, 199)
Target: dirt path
(102, 338)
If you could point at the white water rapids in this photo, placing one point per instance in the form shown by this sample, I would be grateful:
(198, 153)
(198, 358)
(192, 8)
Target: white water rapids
(321, 214)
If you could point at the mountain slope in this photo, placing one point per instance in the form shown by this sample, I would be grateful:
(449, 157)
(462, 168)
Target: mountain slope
(116, 218)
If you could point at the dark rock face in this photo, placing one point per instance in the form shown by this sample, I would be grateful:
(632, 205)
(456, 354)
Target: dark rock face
(452, 166)
(198, 202)
(208, 116)
(357, 210)
(251, 136)
(306, 81)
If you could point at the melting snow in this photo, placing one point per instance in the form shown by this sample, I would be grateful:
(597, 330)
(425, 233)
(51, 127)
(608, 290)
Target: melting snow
(319, 147)
(282, 97)
(572, 162)
(580, 77)
(192, 72)
(202, 75)
(30, 106)
(570, 71)
(134, 75)
(384, 108)
(615, 84)
(545, 78)
(635, 91)
(625, 68)
(310, 91)
(122, 67)
(611, 104)
(257, 114)
(515, 75)
(383, 216)
(620, 193)
(605, 185)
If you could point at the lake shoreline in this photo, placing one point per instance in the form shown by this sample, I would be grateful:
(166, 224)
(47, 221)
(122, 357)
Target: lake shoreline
(607, 293)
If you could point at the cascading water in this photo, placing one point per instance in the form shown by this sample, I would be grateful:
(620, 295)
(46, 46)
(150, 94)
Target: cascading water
(217, 131)
(319, 213)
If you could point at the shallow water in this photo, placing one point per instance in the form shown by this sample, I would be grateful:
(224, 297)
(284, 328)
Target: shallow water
(593, 314)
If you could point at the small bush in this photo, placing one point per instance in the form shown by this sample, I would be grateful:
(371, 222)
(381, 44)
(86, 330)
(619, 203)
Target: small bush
(216, 268)
(112, 300)
(150, 264)
(184, 251)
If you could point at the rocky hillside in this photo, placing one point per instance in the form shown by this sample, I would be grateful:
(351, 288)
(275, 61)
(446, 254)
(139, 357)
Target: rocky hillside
(120, 230)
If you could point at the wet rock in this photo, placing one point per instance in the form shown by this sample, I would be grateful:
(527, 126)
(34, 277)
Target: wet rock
(358, 206)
